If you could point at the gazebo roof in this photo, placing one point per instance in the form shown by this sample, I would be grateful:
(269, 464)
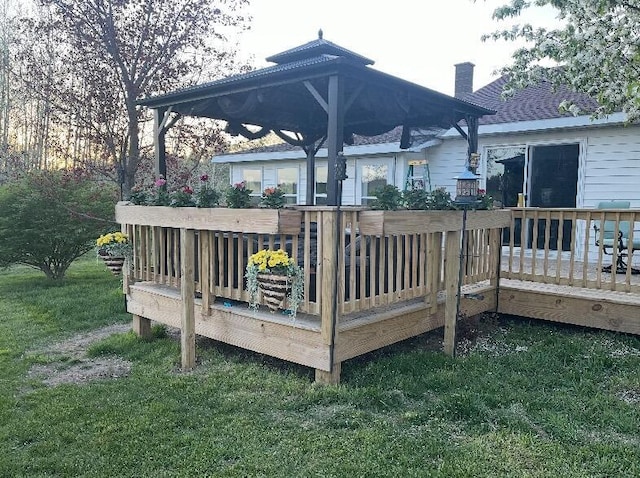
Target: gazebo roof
(292, 96)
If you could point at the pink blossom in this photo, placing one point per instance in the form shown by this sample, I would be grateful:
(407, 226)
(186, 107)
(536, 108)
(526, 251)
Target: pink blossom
(204, 177)
(187, 190)
(240, 185)
(482, 191)
(160, 182)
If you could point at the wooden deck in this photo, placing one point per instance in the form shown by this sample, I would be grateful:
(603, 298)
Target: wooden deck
(372, 278)
(594, 299)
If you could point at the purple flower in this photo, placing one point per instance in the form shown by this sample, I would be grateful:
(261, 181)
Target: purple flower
(187, 190)
(160, 182)
(204, 178)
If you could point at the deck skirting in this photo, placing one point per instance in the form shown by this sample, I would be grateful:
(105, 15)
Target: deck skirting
(609, 310)
(300, 341)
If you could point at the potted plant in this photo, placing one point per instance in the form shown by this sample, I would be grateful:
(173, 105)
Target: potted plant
(273, 198)
(113, 248)
(206, 195)
(278, 277)
(238, 196)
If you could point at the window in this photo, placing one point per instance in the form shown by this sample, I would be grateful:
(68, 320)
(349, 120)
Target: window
(287, 180)
(253, 181)
(321, 185)
(504, 173)
(374, 176)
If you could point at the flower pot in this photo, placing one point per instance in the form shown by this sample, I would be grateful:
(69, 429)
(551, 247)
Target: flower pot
(114, 264)
(274, 290)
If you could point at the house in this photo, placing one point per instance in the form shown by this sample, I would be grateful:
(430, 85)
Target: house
(555, 159)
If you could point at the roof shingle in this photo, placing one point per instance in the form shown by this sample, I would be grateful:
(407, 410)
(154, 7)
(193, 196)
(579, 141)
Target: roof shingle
(536, 102)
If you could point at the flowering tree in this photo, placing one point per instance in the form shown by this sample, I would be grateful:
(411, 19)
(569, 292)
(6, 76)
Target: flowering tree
(597, 49)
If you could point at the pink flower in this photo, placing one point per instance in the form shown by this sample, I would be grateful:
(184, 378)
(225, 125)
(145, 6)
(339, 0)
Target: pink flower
(482, 191)
(187, 190)
(240, 185)
(269, 191)
(204, 177)
(160, 182)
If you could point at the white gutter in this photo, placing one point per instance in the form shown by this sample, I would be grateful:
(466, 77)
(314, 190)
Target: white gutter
(541, 125)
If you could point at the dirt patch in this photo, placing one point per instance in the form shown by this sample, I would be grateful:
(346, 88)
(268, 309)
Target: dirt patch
(67, 361)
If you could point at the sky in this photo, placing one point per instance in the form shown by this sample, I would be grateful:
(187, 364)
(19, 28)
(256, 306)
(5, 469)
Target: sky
(416, 40)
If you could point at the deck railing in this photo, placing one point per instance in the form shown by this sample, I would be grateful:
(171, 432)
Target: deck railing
(562, 247)
(371, 263)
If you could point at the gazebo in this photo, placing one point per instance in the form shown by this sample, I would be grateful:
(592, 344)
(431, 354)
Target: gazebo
(371, 278)
(315, 94)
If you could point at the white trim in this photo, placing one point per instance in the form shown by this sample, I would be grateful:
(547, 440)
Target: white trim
(299, 154)
(542, 125)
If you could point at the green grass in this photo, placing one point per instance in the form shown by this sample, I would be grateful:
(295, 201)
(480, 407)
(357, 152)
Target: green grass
(535, 400)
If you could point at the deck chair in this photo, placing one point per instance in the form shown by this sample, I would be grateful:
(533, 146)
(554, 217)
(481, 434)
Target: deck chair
(616, 242)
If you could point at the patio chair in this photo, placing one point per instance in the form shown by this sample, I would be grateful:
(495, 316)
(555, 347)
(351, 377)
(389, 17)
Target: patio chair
(616, 241)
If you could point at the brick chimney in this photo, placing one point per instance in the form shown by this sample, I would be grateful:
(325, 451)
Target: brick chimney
(464, 79)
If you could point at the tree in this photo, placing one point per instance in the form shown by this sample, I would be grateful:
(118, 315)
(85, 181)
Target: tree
(596, 51)
(110, 53)
(48, 219)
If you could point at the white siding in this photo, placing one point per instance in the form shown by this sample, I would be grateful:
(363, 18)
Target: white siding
(609, 163)
(613, 165)
(446, 161)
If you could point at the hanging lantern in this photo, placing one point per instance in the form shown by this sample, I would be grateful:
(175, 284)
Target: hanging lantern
(466, 187)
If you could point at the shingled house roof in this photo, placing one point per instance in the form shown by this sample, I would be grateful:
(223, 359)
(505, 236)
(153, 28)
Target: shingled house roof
(537, 102)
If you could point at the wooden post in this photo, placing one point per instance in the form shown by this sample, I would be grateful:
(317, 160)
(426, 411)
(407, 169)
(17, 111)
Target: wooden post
(159, 131)
(311, 175)
(335, 136)
(187, 292)
(329, 311)
(329, 378)
(141, 326)
(451, 278)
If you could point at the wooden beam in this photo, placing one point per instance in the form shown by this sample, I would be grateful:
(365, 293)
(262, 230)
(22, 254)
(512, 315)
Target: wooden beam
(329, 308)
(318, 97)
(167, 120)
(159, 143)
(461, 131)
(335, 136)
(311, 176)
(328, 271)
(187, 293)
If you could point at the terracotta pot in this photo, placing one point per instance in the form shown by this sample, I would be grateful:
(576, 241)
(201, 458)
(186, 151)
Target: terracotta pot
(274, 290)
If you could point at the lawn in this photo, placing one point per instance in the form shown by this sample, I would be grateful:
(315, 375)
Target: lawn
(524, 399)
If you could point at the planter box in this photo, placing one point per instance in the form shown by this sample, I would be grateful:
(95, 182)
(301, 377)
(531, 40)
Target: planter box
(385, 223)
(257, 221)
